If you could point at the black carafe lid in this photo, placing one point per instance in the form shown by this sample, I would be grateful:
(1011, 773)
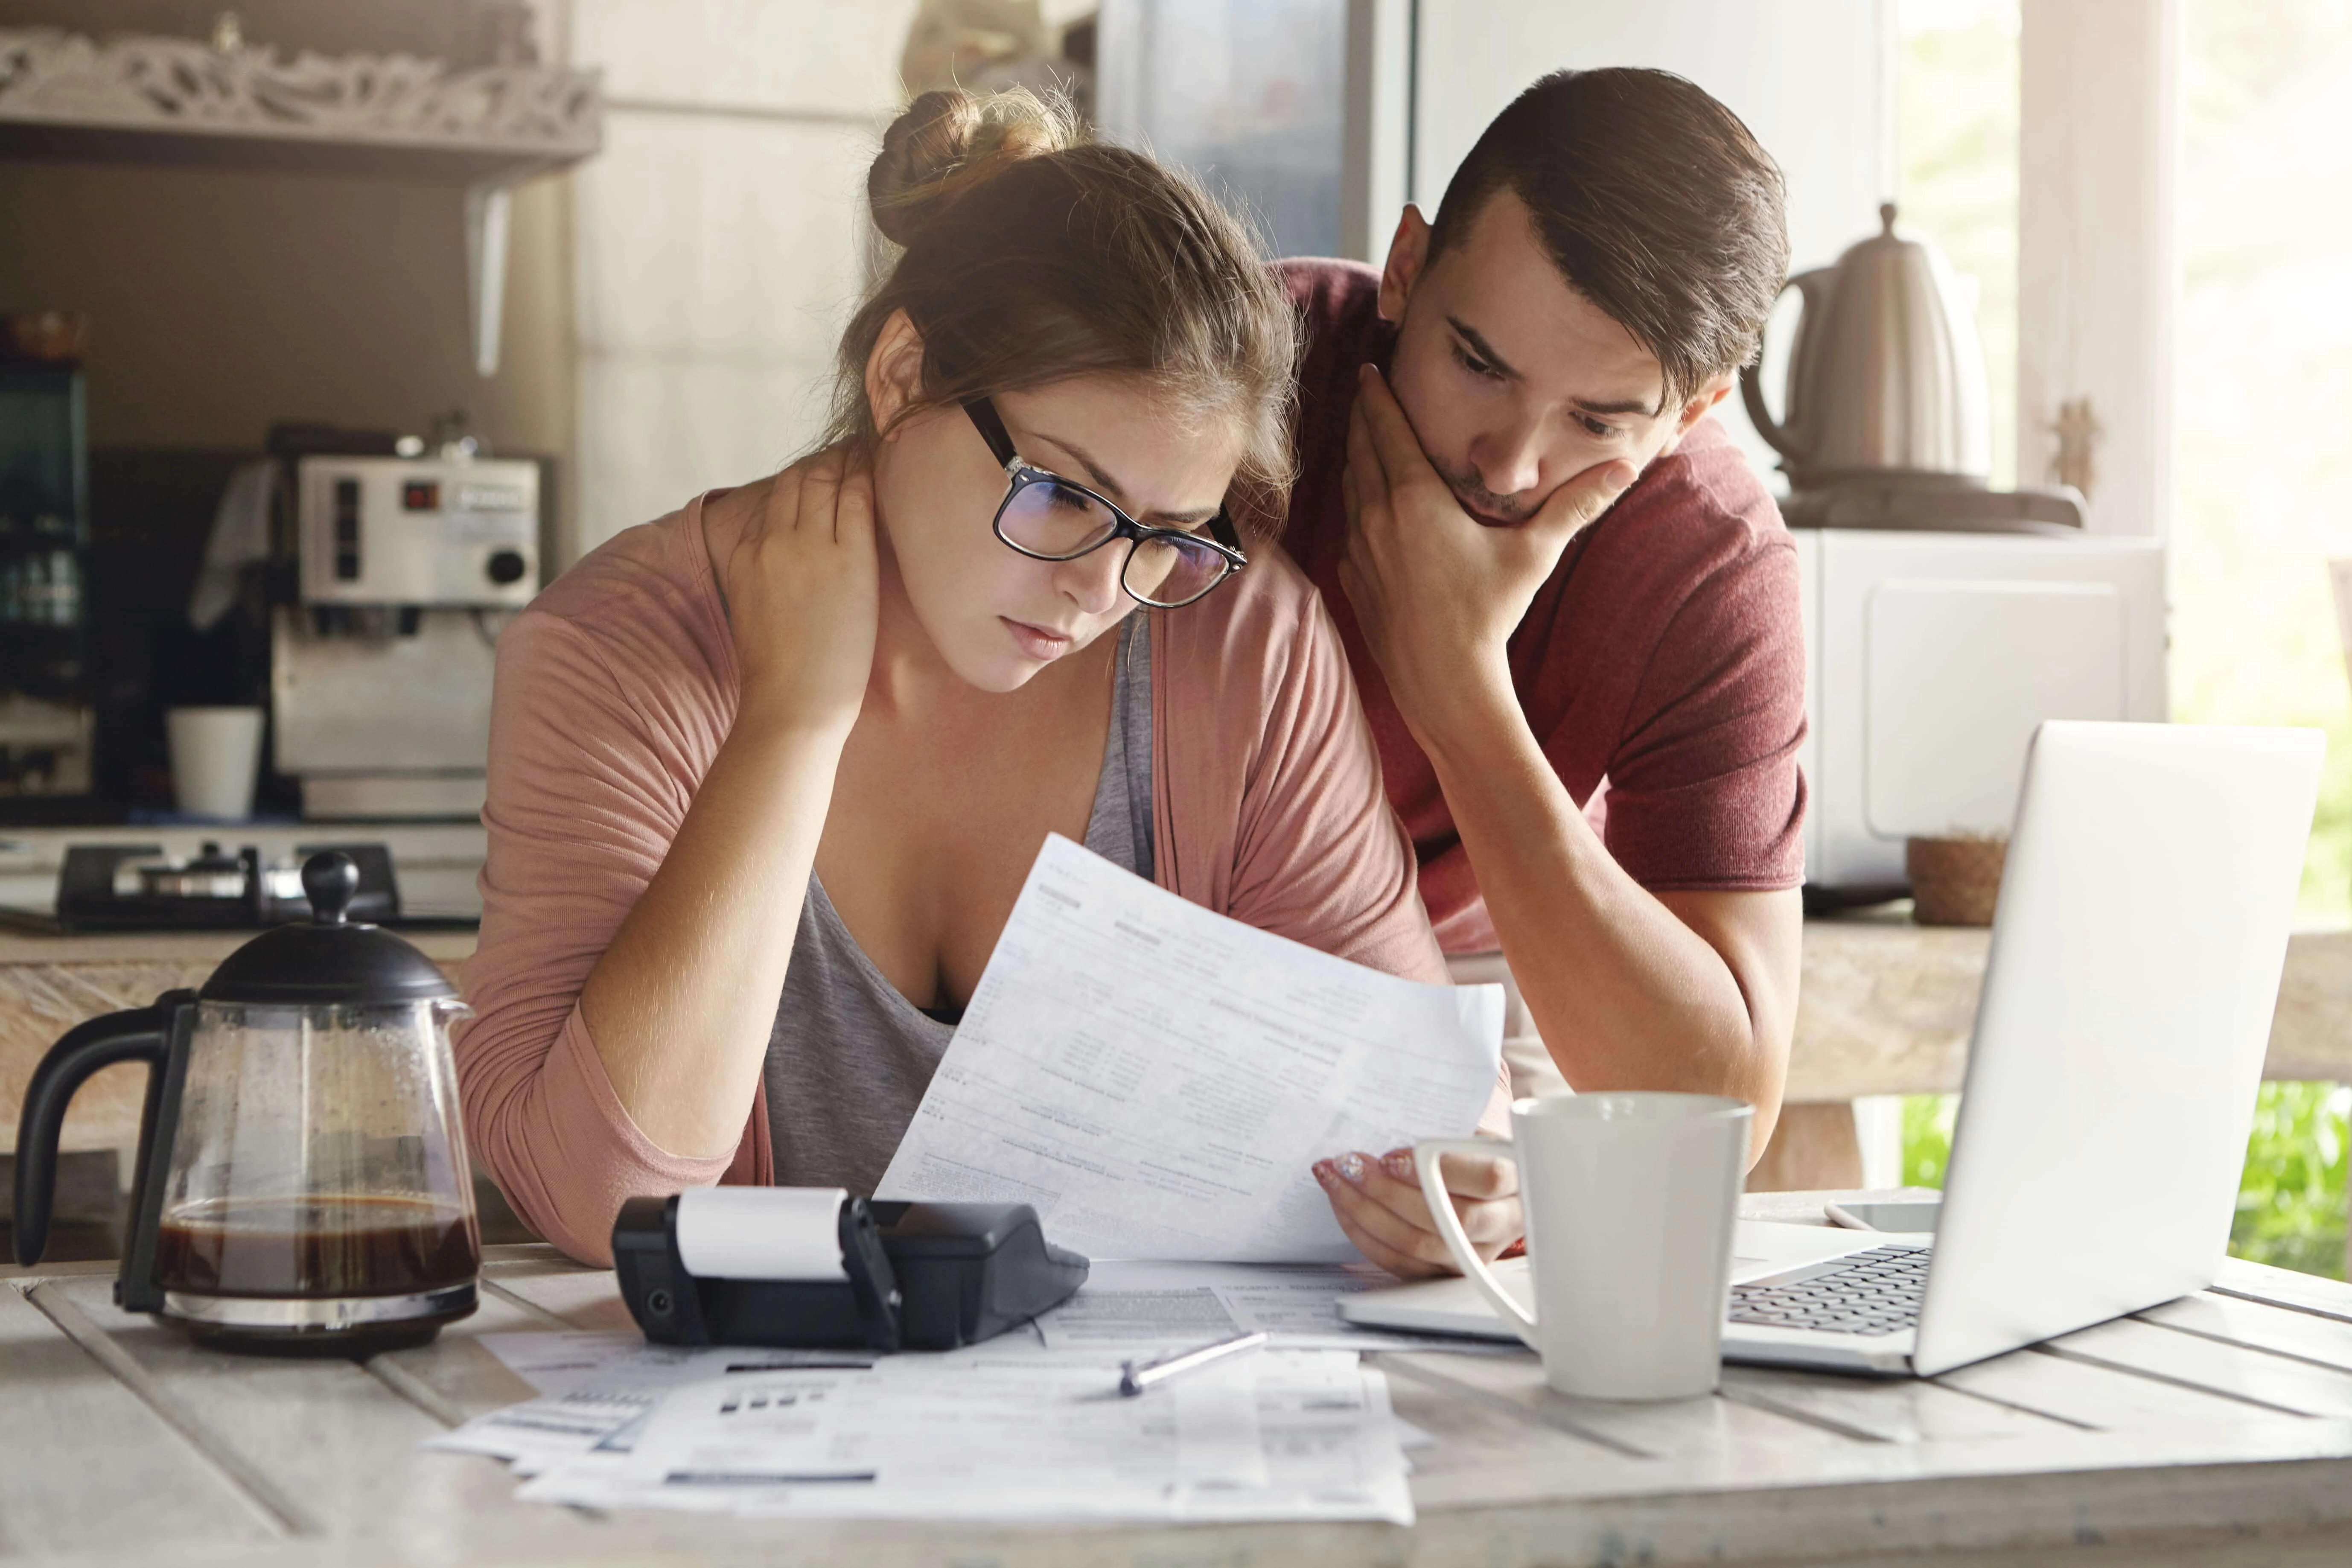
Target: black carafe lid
(330, 960)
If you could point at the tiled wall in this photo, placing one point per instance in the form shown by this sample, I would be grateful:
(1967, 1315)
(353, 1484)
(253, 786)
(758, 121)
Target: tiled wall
(720, 240)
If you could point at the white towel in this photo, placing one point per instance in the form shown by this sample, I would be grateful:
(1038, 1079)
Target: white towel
(240, 538)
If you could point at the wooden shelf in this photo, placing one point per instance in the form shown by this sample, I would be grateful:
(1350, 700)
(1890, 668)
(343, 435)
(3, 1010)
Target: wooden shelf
(181, 102)
(437, 162)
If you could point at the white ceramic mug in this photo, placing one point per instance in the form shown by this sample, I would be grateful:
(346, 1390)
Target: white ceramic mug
(1632, 1200)
(216, 758)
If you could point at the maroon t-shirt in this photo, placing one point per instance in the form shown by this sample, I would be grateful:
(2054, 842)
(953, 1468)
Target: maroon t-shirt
(1665, 654)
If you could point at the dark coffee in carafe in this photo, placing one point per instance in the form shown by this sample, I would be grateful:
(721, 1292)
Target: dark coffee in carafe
(317, 1246)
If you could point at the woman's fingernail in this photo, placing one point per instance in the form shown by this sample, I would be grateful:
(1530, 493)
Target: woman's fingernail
(1399, 1164)
(1352, 1167)
(1323, 1173)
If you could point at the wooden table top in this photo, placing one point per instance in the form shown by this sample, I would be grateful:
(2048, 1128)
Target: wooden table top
(2221, 1421)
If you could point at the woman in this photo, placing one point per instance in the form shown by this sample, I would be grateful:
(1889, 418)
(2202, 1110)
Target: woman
(849, 701)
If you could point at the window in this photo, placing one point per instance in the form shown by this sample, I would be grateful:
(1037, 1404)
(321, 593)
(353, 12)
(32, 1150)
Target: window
(1956, 145)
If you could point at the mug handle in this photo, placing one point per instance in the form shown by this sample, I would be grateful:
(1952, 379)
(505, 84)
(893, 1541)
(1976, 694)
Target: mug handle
(1425, 1156)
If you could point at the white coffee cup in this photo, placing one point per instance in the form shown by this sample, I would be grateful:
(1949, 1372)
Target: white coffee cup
(1632, 1200)
(216, 758)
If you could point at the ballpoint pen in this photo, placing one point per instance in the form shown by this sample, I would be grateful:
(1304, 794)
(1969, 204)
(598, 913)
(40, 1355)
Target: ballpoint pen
(1136, 1377)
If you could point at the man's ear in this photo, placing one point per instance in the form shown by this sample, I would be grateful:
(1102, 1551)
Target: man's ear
(1711, 390)
(893, 371)
(1408, 254)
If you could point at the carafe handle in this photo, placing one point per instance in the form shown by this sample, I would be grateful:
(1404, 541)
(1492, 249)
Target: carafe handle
(140, 1035)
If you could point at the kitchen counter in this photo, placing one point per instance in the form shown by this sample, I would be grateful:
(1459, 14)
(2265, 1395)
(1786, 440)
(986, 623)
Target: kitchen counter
(435, 862)
(49, 984)
(1886, 1007)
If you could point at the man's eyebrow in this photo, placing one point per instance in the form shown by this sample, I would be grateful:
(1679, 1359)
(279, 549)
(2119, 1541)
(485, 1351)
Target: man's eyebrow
(1102, 479)
(1623, 405)
(1482, 348)
(1485, 351)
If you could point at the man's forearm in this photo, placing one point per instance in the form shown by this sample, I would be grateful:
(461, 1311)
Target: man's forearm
(1625, 994)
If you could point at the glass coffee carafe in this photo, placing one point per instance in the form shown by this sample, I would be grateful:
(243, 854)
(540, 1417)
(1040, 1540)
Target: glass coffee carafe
(302, 1181)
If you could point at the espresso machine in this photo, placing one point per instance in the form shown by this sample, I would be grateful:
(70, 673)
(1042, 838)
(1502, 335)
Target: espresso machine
(406, 568)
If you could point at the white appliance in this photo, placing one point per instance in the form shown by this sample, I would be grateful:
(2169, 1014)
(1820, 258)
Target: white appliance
(379, 676)
(456, 533)
(1930, 656)
(2135, 967)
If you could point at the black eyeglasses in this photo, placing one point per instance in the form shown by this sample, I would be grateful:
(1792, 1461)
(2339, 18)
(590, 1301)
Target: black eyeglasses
(1047, 518)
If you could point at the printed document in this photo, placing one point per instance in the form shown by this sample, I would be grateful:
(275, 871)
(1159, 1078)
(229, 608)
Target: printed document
(1277, 1435)
(1157, 1080)
(596, 1389)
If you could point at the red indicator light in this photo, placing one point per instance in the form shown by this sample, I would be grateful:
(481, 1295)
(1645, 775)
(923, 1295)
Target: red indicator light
(420, 495)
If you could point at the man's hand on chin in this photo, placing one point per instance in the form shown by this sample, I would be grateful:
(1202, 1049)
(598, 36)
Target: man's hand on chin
(1436, 592)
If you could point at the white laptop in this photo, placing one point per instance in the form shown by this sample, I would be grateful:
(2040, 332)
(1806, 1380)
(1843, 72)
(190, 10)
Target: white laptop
(2119, 1040)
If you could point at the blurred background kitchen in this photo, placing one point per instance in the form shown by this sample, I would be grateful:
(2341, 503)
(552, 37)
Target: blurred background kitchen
(518, 274)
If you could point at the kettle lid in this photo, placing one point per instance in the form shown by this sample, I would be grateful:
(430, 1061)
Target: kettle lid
(330, 959)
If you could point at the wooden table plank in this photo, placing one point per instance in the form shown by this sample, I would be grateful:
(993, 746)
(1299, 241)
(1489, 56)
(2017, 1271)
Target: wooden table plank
(1894, 1410)
(86, 1466)
(1473, 1436)
(455, 1378)
(2258, 1326)
(1709, 1431)
(2285, 1288)
(334, 1439)
(2102, 1398)
(582, 1298)
(1747, 1498)
(2295, 1387)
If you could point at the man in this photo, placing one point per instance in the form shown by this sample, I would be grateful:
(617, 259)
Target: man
(1570, 605)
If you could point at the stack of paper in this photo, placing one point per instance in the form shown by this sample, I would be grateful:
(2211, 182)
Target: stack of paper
(1017, 1433)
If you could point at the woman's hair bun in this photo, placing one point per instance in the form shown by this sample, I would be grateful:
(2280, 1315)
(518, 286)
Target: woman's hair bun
(949, 140)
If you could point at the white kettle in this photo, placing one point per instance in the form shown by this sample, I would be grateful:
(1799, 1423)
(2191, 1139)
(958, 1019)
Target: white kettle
(1887, 379)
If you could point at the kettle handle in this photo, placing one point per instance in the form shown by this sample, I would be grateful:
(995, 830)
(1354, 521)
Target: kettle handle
(1813, 289)
(140, 1035)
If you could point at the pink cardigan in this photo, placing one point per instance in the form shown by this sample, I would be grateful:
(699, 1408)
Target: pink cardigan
(614, 693)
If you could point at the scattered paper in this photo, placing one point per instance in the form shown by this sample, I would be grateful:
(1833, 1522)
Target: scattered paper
(594, 1387)
(1157, 1080)
(1278, 1434)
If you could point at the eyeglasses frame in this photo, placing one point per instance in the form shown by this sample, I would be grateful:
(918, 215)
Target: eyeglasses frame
(1021, 475)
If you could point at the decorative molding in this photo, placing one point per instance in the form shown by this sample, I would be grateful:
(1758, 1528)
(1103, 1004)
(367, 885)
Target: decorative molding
(147, 83)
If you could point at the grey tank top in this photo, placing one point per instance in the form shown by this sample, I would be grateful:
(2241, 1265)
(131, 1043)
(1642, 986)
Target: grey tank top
(850, 1057)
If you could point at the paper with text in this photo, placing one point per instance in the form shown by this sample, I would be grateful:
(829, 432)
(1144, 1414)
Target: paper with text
(1157, 1080)
(1281, 1435)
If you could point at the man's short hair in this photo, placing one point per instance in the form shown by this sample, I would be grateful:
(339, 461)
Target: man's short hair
(1654, 202)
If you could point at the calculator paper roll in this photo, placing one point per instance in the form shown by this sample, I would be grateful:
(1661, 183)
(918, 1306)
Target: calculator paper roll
(762, 1233)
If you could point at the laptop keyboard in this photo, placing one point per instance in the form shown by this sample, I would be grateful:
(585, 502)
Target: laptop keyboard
(1875, 1292)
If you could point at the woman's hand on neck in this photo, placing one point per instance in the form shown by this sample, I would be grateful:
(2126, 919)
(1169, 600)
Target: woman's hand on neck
(797, 565)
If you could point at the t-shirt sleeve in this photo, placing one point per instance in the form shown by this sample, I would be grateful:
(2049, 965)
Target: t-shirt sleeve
(583, 803)
(1318, 856)
(1704, 791)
